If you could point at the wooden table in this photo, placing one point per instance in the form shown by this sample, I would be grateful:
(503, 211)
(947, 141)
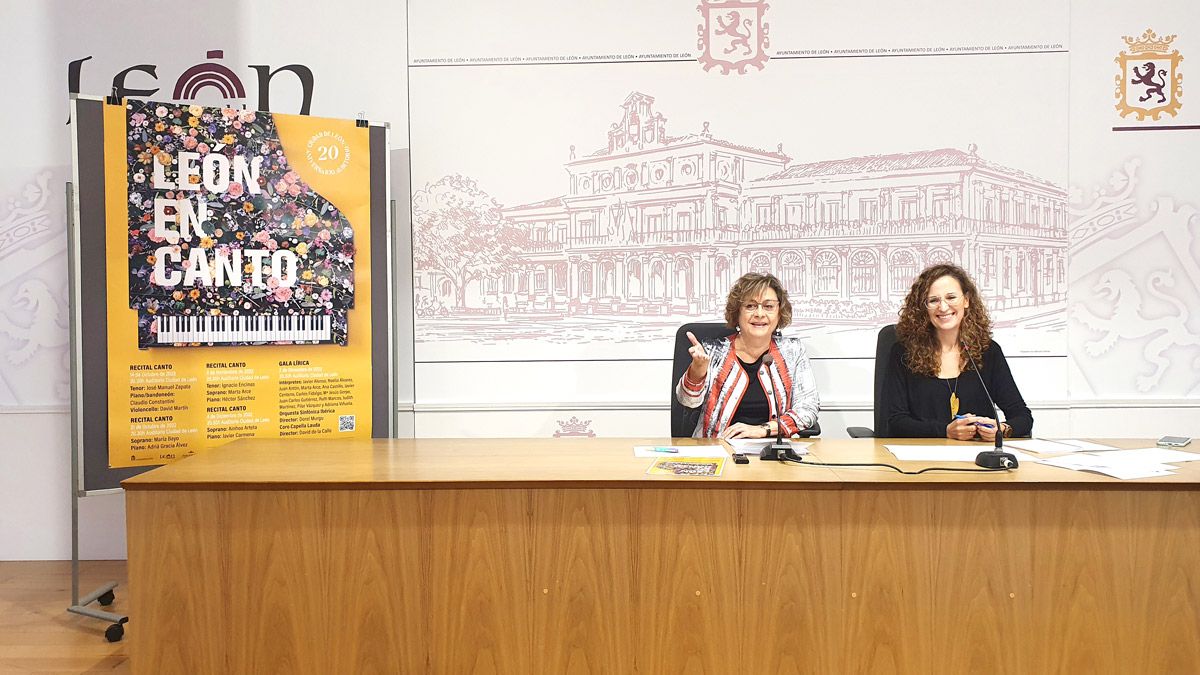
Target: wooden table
(562, 555)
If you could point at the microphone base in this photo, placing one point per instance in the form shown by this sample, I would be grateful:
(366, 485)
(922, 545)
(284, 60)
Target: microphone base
(995, 459)
(779, 451)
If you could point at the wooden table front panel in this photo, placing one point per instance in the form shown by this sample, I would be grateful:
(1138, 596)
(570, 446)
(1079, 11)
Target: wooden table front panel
(664, 579)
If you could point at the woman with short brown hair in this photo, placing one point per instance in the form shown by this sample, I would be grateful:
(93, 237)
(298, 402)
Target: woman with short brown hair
(743, 395)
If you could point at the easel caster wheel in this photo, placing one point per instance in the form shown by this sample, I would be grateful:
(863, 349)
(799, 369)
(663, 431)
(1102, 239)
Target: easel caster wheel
(107, 598)
(114, 633)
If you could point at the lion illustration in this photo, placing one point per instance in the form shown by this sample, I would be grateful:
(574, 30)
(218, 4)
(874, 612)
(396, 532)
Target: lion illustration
(1128, 323)
(46, 329)
(1153, 87)
(733, 28)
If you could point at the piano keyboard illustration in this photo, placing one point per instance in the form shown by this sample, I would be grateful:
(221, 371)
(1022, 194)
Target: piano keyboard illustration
(243, 329)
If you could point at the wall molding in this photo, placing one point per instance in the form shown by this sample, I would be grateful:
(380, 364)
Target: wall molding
(65, 409)
(826, 406)
(62, 409)
(654, 406)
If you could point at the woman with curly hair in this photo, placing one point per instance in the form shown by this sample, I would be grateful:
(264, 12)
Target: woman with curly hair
(931, 394)
(729, 379)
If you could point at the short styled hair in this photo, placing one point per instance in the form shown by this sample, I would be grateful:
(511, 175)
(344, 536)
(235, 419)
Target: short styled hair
(749, 287)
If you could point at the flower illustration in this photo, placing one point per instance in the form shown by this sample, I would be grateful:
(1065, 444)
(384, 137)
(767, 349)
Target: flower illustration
(277, 211)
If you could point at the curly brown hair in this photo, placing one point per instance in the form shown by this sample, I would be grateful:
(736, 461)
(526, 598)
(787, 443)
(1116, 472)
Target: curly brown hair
(751, 286)
(916, 333)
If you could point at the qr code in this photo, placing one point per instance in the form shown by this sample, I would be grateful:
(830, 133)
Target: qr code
(345, 422)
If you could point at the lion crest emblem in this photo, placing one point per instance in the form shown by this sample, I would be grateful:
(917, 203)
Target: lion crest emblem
(1149, 83)
(733, 35)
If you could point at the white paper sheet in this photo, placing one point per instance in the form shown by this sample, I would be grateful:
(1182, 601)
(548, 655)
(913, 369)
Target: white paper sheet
(949, 453)
(1132, 472)
(1124, 468)
(660, 451)
(1084, 445)
(754, 446)
(936, 453)
(1160, 455)
(1042, 445)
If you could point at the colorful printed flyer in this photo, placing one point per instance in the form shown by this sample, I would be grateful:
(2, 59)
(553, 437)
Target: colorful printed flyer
(687, 466)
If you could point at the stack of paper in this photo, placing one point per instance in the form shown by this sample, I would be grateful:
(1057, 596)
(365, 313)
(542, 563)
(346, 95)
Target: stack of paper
(1125, 464)
(1041, 445)
(755, 446)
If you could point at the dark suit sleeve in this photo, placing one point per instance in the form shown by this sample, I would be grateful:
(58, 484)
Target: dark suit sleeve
(1006, 394)
(903, 419)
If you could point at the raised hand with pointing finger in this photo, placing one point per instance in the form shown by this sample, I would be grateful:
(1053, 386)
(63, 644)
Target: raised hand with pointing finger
(738, 391)
(700, 359)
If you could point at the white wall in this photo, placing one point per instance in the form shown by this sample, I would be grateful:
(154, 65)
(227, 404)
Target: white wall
(35, 493)
(1076, 390)
(356, 53)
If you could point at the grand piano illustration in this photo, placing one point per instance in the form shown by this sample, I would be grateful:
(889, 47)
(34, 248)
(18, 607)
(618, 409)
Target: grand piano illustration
(245, 252)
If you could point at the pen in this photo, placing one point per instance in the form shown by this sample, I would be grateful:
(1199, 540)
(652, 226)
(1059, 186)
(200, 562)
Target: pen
(661, 449)
(978, 424)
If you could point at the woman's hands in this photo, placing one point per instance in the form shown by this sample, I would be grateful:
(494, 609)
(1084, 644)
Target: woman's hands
(970, 427)
(962, 428)
(987, 428)
(739, 430)
(697, 371)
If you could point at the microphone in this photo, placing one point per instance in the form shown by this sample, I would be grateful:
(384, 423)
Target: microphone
(780, 449)
(995, 458)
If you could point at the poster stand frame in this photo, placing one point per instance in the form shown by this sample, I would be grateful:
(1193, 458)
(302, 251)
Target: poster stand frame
(104, 595)
(84, 195)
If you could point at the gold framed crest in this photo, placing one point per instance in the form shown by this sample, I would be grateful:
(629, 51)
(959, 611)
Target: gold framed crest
(1149, 83)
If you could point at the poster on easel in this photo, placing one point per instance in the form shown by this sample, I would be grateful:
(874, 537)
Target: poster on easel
(238, 279)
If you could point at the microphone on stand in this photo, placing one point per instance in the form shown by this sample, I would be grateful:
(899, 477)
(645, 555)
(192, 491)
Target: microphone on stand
(780, 449)
(995, 458)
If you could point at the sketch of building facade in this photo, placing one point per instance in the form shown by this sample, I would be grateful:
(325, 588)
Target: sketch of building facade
(661, 225)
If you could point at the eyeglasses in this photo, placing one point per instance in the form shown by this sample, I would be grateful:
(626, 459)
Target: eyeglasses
(952, 300)
(768, 307)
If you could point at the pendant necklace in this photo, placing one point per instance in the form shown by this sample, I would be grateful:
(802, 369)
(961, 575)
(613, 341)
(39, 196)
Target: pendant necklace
(953, 398)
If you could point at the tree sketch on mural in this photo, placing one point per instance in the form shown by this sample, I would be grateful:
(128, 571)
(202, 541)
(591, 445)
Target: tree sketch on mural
(1134, 281)
(653, 228)
(460, 235)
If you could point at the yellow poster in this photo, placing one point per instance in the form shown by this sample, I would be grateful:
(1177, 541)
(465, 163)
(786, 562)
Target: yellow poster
(238, 278)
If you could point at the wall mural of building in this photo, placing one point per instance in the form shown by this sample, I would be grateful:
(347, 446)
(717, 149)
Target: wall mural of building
(659, 225)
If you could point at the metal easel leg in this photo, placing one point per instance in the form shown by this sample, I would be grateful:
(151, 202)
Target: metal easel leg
(103, 595)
